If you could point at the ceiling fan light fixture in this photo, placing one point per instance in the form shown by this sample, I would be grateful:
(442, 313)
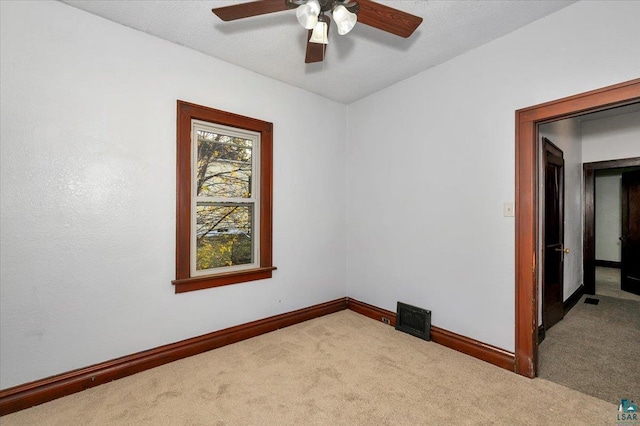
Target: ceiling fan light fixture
(345, 20)
(320, 33)
(316, 16)
(308, 13)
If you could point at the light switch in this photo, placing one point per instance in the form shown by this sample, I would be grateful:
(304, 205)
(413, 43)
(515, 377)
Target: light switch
(508, 210)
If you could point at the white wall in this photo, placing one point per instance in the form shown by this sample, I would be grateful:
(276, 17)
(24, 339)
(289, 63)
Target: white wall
(608, 216)
(88, 192)
(430, 230)
(566, 135)
(88, 182)
(612, 138)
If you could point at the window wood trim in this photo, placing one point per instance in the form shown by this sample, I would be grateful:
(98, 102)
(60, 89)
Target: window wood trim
(184, 281)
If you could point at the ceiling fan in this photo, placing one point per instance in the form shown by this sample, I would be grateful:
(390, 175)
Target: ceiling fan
(313, 15)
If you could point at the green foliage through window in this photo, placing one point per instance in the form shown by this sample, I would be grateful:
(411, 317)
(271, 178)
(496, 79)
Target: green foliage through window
(225, 200)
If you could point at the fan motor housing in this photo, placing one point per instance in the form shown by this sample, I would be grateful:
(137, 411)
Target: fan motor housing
(327, 5)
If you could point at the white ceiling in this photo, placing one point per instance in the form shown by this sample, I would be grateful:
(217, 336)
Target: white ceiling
(357, 64)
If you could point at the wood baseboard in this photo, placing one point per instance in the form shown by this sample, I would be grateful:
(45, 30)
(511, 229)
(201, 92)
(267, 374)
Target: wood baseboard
(541, 333)
(475, 348)
(573, 299)
(371, 311)
(41, 391)
(38, 392)
(608, 263)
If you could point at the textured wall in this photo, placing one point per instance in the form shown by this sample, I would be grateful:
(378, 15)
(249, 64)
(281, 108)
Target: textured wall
(611, 138)
(88, 192)
(566, 135)
(429, 230)
(88, 182)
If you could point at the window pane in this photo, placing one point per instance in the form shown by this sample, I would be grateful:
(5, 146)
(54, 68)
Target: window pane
(224, 165)
(223, 235)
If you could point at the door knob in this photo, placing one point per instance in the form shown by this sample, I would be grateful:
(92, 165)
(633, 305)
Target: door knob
(564, 250)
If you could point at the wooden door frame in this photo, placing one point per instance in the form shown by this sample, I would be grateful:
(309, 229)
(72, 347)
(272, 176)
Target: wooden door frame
(589, 236)
(526, 196)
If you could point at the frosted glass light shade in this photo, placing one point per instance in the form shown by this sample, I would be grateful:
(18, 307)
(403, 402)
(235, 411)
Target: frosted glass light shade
(345, 20)
(320, 33)
(307, 14)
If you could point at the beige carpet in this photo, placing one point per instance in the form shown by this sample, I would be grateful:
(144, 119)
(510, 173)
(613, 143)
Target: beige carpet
(341, 369)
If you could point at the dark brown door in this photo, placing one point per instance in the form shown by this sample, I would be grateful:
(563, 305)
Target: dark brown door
(631, 232)
(553, 235)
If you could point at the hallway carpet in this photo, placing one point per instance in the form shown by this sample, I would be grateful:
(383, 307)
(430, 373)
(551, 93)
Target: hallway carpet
(595, 349)
(608, 284)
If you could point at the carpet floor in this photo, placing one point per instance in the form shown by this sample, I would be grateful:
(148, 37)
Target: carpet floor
(595, 349)
(608, 284)
(340, 369)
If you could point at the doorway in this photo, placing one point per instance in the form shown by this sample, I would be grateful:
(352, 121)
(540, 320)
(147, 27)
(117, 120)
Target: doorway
(527, 202)
(630, 246)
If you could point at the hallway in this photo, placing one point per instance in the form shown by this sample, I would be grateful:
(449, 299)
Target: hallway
(595, 348)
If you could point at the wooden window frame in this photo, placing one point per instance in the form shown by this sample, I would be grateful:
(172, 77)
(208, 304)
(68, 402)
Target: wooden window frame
(186, 112)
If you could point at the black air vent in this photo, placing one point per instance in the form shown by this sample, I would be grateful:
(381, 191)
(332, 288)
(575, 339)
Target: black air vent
(415, 321)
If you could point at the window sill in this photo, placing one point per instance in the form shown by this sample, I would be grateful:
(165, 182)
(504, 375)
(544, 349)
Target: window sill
(200, 283)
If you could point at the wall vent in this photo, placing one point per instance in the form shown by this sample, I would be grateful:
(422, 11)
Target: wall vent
(415, 321)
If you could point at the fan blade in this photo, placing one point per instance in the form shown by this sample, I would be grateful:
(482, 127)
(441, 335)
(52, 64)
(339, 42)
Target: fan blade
(246, 10)
(315, 51)
(387, 19)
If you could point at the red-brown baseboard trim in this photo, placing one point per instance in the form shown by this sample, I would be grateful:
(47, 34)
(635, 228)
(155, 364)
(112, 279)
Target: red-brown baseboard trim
(38, 392)
(29, 394)
(475, 348)
(371, 311)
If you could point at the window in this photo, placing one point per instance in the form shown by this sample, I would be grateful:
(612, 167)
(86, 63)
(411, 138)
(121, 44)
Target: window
(224, 191)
